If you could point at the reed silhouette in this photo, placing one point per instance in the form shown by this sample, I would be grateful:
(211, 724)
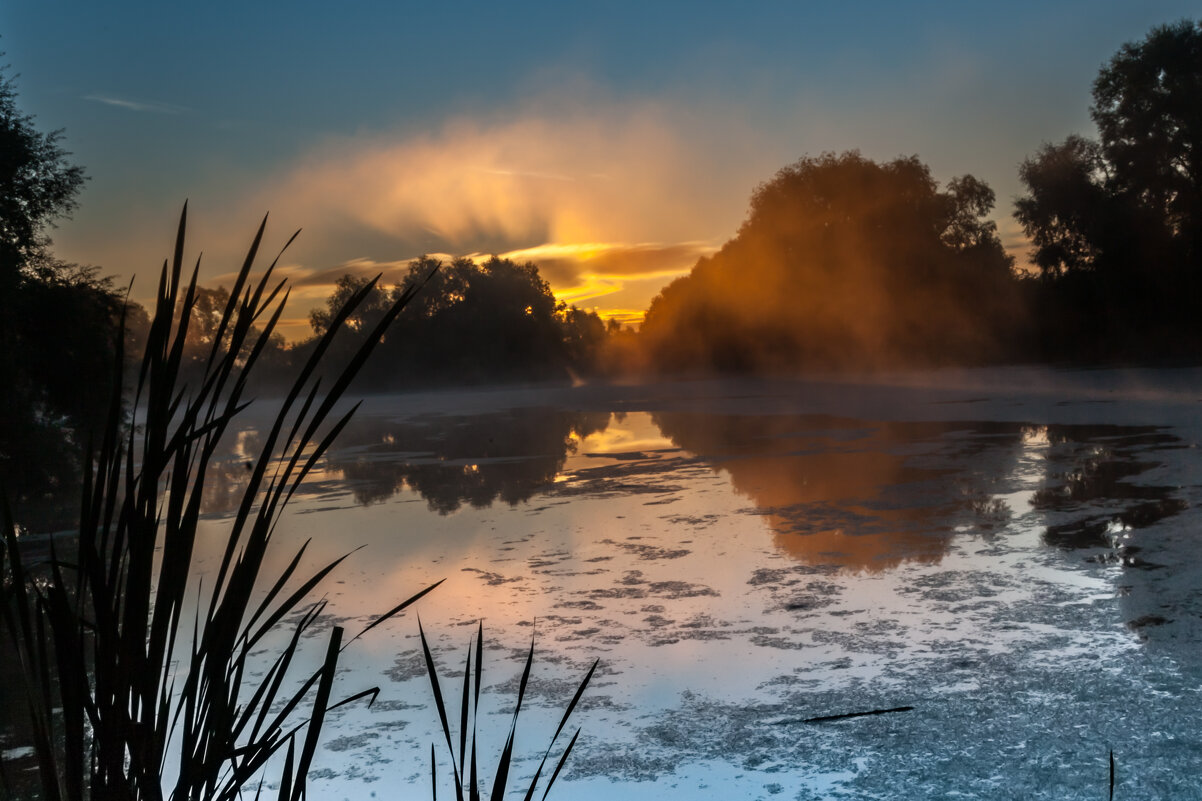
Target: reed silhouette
(153, 704)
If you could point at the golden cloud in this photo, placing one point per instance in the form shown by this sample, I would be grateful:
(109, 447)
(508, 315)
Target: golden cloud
(586, 271)
(609, 200)
(627, 174)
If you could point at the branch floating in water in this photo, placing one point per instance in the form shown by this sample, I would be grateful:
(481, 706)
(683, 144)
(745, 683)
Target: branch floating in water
(845, 715)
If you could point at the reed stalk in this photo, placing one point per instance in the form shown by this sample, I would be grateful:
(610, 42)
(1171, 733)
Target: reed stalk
(129, 699)
(465, 769)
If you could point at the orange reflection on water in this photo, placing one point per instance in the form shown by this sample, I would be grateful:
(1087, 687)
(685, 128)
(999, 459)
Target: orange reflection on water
(832, 492)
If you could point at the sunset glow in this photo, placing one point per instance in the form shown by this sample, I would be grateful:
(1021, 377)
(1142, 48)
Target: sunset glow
(612, 166)
(771, 400)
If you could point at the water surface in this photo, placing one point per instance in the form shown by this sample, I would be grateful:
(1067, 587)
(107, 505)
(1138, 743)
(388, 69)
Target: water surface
(1010, 553)
(1014, 565)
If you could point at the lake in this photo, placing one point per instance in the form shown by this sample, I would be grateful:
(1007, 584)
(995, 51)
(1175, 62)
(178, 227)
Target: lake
(1009, 558)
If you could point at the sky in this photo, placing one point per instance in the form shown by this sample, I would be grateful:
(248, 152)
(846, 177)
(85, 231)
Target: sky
(610, 143)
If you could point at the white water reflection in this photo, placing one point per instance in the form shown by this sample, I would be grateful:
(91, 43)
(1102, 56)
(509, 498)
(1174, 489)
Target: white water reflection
(1004, 570)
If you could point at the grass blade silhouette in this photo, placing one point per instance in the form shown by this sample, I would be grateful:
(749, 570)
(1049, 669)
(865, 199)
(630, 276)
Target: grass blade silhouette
(140, 690)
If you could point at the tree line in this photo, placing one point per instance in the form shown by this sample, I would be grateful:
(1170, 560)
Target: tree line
(842, 262)
(848, 263)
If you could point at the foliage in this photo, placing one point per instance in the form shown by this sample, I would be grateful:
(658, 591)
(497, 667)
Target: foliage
(1117, 222)
(37, 184)
(843, 261)
(1067, 207)
(1146, 109)
(472, 322)
(58, 323)
(119, 683)
(465, 770)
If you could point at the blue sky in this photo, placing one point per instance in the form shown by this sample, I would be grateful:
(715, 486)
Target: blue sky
(611, 143)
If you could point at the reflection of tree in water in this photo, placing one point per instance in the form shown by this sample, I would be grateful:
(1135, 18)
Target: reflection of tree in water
(1091, 472)
(452, 460)
(869, 495)
(226, 478)
(847, 492)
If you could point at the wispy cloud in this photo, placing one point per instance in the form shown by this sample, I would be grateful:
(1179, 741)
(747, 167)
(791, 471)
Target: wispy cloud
(590, 173)
(601, 196)
(137, 105)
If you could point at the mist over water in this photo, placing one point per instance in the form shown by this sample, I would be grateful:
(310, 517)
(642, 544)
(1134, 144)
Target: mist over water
(1013, 559)
(1009, 552)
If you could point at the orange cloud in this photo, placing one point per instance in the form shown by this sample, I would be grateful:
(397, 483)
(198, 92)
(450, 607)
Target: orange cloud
(579, 272)
(596, 174)
(610, 201)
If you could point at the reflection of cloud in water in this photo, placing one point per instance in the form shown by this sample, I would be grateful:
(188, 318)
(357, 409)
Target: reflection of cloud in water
(624, 435)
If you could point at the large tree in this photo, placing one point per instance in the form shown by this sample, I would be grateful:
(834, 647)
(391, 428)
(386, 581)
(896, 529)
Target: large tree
(1116, 222)
(38, 184)
(470, 321)
(1148, 109)
(1139, 186)
(843, 261)
(58, 322)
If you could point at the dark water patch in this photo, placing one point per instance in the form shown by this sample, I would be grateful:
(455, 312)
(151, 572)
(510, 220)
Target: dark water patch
(781, 643)
(351, 741)
(1147, 621)
(1092, 490)
(692, 521)
(1100, 476)
(648, 552)
(791, 576)
(628, 456)
(633, 585)
(589, 606)
(493, 579)
(406, 666)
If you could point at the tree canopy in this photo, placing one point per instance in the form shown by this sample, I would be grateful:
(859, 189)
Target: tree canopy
(1117, 222)
(843, 261)
(472, 322)
(1147, 104)
(58, 322)
(38, 184)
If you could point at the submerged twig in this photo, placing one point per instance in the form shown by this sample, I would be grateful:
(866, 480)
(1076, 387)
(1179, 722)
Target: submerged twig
(846, 715)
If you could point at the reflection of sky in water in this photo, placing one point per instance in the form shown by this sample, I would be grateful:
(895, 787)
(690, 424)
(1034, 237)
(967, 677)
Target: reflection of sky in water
(736, 573)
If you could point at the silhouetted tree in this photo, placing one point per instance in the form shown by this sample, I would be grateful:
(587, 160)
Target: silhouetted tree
(37, 185)
(1147, 108)
(204, 327)
(1068, 204)
(583, 335)
(365, 314)
(1117, 222)
(58, 323)
(843, 261)
(471, 322)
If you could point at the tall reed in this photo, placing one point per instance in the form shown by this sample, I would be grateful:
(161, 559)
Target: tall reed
(466, 770)
(127, 698)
